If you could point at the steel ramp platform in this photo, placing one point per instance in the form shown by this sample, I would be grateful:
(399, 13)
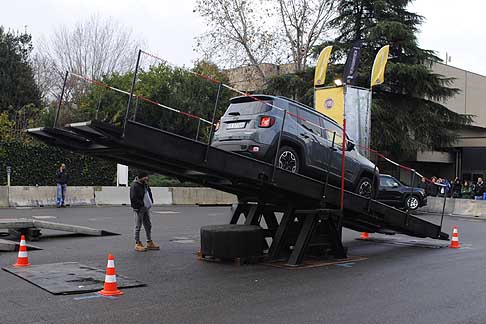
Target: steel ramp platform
(251, 180)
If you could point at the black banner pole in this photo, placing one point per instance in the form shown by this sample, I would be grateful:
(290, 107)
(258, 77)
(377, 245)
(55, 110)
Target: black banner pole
(56, 119)
(131, 92)
(275, 161)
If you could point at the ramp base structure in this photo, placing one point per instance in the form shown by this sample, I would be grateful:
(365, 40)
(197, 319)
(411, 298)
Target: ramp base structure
(31, 228)
(67, 278)
(299, 233)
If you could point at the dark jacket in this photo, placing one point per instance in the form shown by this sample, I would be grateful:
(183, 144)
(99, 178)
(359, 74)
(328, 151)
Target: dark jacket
(479, 189)
(137, 193)
(61, 177)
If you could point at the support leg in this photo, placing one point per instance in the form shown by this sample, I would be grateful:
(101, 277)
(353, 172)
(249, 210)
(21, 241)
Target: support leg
(279, 240)
(305, 234)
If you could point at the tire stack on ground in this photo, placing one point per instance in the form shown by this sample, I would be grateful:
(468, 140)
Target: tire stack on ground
(232, 242)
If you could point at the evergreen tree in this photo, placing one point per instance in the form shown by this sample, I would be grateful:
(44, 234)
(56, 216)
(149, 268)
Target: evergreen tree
(407, 114)
(17, 84)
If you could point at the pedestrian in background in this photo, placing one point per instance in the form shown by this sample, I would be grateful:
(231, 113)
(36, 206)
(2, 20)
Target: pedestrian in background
(61, 183)
(424, 185)
(141, 200)
(479, 188)
(456, 188)
(467, 190)
(433, 189)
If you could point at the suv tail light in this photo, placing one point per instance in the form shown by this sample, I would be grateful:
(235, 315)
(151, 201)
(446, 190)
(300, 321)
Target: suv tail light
(266, 121)
(217, 126)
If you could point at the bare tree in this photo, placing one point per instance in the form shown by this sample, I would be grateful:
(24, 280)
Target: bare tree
(305, 22)
(94, 47)
(238, 33)
(256, 31)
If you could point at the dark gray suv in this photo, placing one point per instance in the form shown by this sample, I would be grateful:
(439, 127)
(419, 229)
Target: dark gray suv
(251, 126)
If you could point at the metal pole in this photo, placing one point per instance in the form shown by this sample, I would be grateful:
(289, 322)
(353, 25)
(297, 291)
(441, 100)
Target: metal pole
(220, 85)
(324, 190)
(56, 119)
(136, 109)
(343, 158)
(198, 127)
(275, 160)
(131, 92)
(372, 186)
(412, 175)
(443, 209)
(98, 107)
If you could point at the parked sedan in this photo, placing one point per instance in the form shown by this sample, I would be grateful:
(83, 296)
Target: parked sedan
(392, 192)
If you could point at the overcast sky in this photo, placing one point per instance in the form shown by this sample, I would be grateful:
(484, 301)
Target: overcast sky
(169, 27)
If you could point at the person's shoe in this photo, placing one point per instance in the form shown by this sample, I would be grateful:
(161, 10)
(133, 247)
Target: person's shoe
(63, 206)
(152, 246)
(139, 247)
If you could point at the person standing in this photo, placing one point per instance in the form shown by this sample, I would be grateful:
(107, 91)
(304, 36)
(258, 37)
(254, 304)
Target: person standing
(433, 188)
(467, 190)
(61, 183)
(425, 186)
(141, 201)
(479, 188)
(456, 188)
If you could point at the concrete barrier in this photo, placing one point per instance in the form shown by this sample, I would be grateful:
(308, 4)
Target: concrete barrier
(456, 206)
(3, 196)
(435, 204)
(112, 195)
(162, 196)
(46, 196)
(203, 196)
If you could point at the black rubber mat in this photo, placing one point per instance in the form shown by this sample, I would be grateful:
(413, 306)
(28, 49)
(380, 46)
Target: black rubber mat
(67, 278)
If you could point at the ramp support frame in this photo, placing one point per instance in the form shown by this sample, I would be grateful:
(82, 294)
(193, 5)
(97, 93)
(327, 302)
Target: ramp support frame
(299, 233)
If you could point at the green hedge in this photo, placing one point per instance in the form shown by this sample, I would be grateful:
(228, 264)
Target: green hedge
(36, 164)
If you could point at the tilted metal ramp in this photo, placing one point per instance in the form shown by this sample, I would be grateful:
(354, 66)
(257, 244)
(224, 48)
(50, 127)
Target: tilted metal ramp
(262, 189)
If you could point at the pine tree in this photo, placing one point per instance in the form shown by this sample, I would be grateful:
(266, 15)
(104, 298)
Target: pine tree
(407, 114)
(17, 84)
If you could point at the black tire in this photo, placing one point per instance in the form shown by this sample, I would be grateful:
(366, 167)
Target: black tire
(232, 241)
(365, 188)
(288, 159)
(412, 202)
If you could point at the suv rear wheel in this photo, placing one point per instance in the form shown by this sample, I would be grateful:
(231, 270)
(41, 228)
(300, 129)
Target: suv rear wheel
(288, 159)
(364, 187)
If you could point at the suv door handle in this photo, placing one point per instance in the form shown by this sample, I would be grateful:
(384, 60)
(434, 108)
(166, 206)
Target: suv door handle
(304, 135)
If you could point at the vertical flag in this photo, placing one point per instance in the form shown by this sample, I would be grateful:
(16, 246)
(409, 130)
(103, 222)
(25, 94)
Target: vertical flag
(352, 63)
(330, 102)
(321, 67)
(378, 72)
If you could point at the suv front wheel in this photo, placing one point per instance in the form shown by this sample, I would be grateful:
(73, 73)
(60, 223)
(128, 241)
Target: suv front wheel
(288, 159)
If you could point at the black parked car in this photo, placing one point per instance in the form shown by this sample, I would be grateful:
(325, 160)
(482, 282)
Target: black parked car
(252, 127)
(392, 192)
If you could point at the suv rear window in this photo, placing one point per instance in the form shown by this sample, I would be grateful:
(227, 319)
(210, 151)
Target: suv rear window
(249, 108)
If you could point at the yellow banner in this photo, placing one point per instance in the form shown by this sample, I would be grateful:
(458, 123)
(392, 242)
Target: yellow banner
(321, 67)
(378, 72)
(330, 102)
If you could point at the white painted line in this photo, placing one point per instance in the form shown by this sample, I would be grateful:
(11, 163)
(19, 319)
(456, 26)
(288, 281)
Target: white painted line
(43, 217)
(167, 212)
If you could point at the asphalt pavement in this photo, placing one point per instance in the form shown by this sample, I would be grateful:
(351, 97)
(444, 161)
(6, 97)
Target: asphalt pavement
(403, 280)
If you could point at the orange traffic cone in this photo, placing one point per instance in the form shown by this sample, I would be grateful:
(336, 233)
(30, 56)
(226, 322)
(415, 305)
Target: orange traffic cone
(455, 239)
(364, 236)
(110, 288)
(22, 259)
